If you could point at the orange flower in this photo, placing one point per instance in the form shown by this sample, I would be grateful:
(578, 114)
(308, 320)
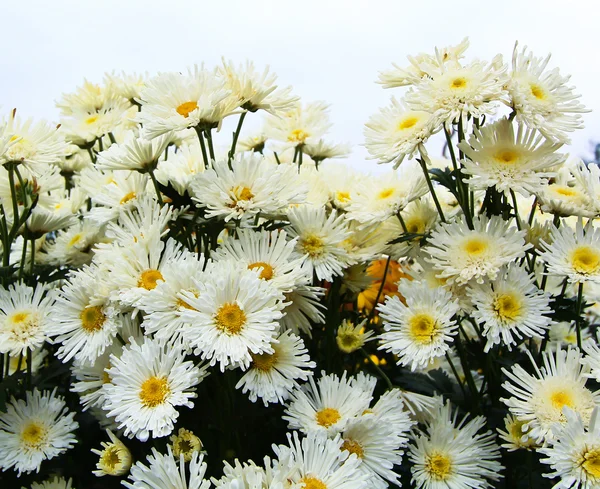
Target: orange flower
(366, 299)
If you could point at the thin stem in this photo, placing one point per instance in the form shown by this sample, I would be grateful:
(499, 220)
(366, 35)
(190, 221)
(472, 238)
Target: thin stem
(459, 182)
(300, 152)
(455, 372)
(532, 212)
(380, 291)
(23, 256)
(514, 201)
(430, 185)
(32, 255)
(203, 147)
(236, 135)
(277, 157)
(211, 149)
(578, 320)
(402, 223)
(13, 193)
(378, 368)
(29, 368)
(156, 188)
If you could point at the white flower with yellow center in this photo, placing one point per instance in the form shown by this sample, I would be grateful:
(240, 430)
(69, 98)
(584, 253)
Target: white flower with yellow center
(74, 246)
(115, 457)
(574, 254)
(233, 316)
(147, 384)
(322, 150)
(24, 323)
(379, 198)
(320, 463)
(587, 176)
(185, 443)
(176, 101)
(272, 376)
(420, 217)
(326, 406)
(179, 168)
(396, 132)
(134, 154)
(320, 240)
(340, 181)
(452, 453)
(89, 97)
(303, 124)
(303, 308)
(565, 333)
(542, 99)
(127, 85)
(392, 409)
(350, 337)
(35, 429)
(575, 453)
(516, 436)
(538, 400)
(567, 195)
(462, 254)
(500, 157)
(457, 92)
(421, 330)
(511, 307)
(168, 472)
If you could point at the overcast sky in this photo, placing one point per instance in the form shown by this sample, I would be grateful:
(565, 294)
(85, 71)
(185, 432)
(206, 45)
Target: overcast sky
(327, 50)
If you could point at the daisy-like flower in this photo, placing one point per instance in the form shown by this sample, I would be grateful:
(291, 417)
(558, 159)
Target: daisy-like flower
(542, 99)
(396, 132)
(233, 317)
(185, 443)
(500, 157)
(75, 245)
(272, 376)
(452, 453)
(420, 330)
(255, 90)
(115, 457)
(163, 471)
(462, 254)
(127, 85)
(89, 97)
(588, 178)
(35, 429)
(592, 359)
(303, 124)
(510, 307)
(302, 309)
(179, 168)
(457, 91)
(420, 217)
(147, 383)
(326, 406)
(24, 323)
(55, 482)
(245, 475)
(134, 154)
(350, 338)
(575, 255)
(253, 186)
(320, 463)
(538, 399)
(320, 240)
(382, 197)
(575, 453)
(270, 254)
(322, 150)
(567, 195)
(516, 435)
(393, 410)
(176, 101)
(565, 333)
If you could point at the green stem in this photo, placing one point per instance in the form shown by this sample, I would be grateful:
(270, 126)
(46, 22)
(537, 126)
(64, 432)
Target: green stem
(430, 185)
(380, 291)
(532, 212)
(203, 147)
(300, 152)
(455, 372)
(402, 223)
(209, 139)
(236, 135)
(23, 256)
(13, 193)
(578, 320)
(378, 368)
(29, 368)
(156, 188)
(32, 256)
(514, 201)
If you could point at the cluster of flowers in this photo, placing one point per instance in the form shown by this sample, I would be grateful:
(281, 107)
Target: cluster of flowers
(145, 252)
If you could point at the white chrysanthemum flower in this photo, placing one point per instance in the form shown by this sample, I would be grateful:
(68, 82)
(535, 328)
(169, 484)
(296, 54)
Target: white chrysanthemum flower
(147, 383)
(233, 316)
(322, 150)
(382, 197)
(320, 240)
(392, 410)
(542, 99)
(85, 320)
(134, 154)
(510, 307)
(303, 124)
(567, 195)
(180, 167)
(422, 65)
(36, 146)
(24, 323)
(320, 463)
(420, 218)
(89, 97)
(127, 85)
(115, 457)
(75, 245)
(538, 399)
(516, 435)
(256, 90)
(165, 472)
(272, 376)
(55, 482)
(452, 453)
(592, 359)
(519, 161)
(35, 429)
(340, 181)
(457, 92)
(565, 333)
(421, 330)
(253, 186)
(575, 255)
(254, 142)
(176, 101)
(326, 406)
(462, 254)
(350, 337)
(243, 476)
(303, 308)
(587, 177)
(270, 254)
(396, 132)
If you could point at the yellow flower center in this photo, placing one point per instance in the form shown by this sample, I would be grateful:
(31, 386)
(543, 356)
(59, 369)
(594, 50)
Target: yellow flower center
(92, 319)
(267, 270)
(408, 122)
(561, 398)
(313, 245)
(564, 190)
(516, 429)
(19, 318)
(327, 417)
(415, 225)
(185, 108)
(507, 307)
(240, 193)
(348, 341)
(592, 462)
(154, 391)
(438, 466)
(264, 361)
(230, 318)
(149, 278)
(342, 196)
(422, 328)
(110, 458)
(127, 197)
(298, 136)
(385, 194)
(75, 239)
(585, 259)
(475, 246)
(537, 91)
(459, 82)
(313, 483)
(506, 156)
(34, 434)
(185, 443)
(353, 447)
(92, 119)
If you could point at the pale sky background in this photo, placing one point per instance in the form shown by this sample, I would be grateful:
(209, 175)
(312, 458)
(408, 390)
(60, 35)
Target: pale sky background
(327, 50)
